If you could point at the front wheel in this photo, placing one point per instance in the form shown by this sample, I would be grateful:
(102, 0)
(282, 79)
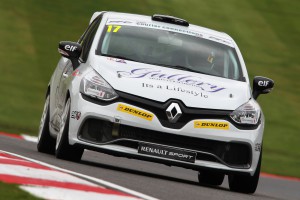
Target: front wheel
(63, 149)
(245, 184)
(45, 144)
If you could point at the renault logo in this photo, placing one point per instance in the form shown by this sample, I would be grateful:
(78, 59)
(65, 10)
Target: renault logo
(173, 112)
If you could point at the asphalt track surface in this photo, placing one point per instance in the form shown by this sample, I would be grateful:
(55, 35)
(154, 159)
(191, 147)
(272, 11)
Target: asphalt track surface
(153, 179)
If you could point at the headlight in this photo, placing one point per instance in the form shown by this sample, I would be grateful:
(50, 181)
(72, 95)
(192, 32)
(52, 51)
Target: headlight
(95, 86)
(247, 113)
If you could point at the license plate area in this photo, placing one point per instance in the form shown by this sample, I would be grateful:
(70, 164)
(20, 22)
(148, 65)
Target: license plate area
(167, 152)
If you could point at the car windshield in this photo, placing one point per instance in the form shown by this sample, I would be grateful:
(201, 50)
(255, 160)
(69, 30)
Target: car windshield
(170, 49)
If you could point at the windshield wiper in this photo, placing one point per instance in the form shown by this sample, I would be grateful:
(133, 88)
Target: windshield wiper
(176, 67)
(181, 68)
(120, 57)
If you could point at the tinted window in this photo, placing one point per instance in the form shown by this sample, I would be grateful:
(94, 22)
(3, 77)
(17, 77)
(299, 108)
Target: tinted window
(170, 49)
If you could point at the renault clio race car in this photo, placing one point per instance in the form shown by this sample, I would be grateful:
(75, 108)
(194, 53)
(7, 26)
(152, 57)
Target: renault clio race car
(157, 88)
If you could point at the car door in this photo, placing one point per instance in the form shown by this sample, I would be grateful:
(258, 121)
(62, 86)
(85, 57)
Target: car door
(55, 83)
(65, 79)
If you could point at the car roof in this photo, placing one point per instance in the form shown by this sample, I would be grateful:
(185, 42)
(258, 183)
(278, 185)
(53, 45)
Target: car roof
(148, 19)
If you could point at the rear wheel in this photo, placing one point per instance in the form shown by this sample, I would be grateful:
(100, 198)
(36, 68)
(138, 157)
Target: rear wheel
(46, 144)
(210, 178)
(63, 149)
(245, 184)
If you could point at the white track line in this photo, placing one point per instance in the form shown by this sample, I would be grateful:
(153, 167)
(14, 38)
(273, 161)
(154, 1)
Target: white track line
(42, 174)
(63, 194)
(29, 138)
(95, 180)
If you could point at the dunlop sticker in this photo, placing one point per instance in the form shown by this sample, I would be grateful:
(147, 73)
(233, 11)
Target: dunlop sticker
(135, 112)
(211, 124)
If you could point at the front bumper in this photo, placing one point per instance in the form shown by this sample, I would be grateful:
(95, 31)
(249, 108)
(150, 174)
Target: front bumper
(104, 128)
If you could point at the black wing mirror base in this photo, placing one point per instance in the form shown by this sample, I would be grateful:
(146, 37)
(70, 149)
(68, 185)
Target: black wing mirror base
(261, 85)
(70, 50)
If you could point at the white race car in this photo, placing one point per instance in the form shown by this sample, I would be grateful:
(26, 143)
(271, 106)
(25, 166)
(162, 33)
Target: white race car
(160, 89)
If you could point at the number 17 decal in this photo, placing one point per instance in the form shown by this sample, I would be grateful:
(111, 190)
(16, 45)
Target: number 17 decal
(115, 28)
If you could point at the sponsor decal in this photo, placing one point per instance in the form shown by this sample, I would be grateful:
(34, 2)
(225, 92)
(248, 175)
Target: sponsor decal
(170, 77)
(175, 89)
(135, 112)
(168, 28)
(119, 22)
(263, 83)
(211, 124)
(70, 48)
(151, 25)
(76, 73)
(257, 147)
(167, 152)
(75, 115)
(116, 60)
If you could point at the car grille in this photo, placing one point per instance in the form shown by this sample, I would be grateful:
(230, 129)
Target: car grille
(233, 154)
(159, 109)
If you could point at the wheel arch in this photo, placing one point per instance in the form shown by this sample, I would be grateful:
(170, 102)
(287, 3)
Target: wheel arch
(67, 96)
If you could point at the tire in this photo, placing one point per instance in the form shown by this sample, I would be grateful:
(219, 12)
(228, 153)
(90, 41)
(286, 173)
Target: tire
(46, 144)
(245, 184)
(63, 150)
(210, 178)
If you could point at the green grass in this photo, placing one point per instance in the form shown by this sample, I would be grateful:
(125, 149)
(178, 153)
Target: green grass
(267, 33)
(12, 192)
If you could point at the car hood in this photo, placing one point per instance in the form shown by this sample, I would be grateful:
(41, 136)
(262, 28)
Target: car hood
(162, 83)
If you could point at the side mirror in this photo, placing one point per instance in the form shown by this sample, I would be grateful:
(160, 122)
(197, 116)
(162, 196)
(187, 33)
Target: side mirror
(261, 85)
(70, 50)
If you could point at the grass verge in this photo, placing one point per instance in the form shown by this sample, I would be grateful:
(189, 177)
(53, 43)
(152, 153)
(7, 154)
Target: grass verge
(12, 192)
